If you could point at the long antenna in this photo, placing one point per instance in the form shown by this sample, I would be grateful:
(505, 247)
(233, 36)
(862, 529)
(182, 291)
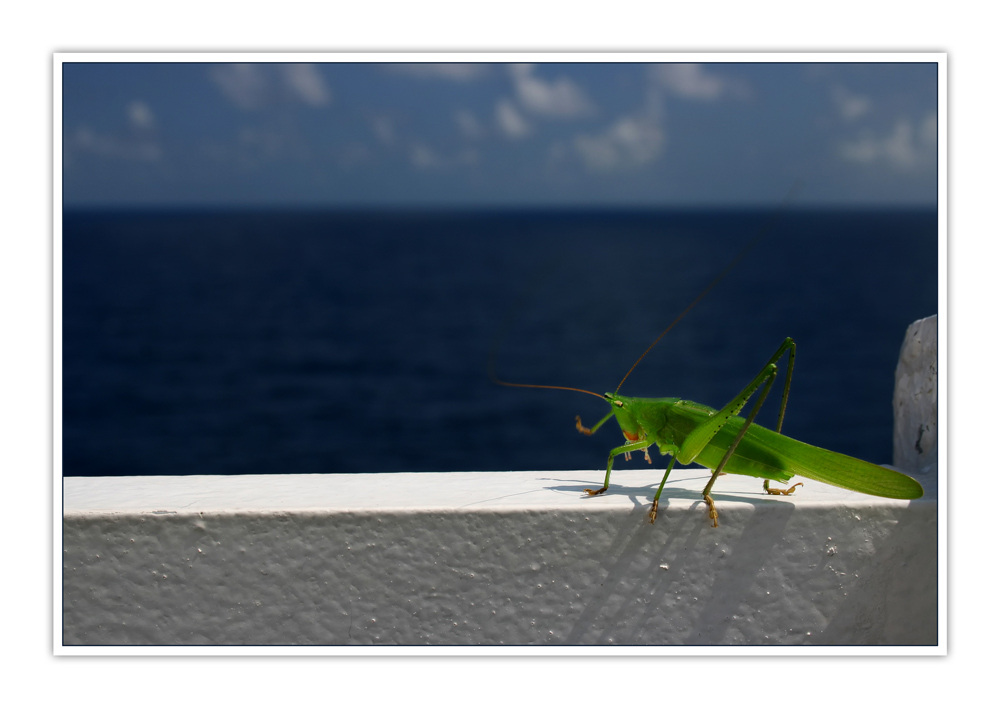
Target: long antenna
(725, 271)
(493, 377)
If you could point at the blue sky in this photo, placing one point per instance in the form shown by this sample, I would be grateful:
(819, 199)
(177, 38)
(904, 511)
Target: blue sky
(467, 135)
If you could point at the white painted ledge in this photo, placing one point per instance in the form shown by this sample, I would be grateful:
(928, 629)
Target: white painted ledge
(491, 559)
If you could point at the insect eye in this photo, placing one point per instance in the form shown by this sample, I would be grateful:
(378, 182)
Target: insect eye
(619, 404)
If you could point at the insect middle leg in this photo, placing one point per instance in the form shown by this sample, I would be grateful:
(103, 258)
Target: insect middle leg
(656, 499)
(628, 456)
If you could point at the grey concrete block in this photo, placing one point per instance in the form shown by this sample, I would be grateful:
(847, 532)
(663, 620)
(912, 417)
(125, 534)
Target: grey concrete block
(915, 400)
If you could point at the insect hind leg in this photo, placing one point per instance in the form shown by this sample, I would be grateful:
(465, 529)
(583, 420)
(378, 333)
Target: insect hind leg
(786, 491)
(766, 378)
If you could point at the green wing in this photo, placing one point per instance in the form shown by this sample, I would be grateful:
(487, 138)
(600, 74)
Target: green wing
(769, 455)
(839, 470)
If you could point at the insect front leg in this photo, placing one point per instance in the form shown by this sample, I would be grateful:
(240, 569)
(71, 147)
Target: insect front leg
(630, 447)
(591, 431)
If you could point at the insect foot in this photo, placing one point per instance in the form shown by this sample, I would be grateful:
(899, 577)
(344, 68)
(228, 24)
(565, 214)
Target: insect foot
(579, 426)
(712, 513)
(652, 512)
(786, 492)
(595, 492)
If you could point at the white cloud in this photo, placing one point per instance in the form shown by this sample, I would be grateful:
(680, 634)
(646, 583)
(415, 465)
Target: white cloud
(905, 147)
(450, 72)
(140, 116)
(510, 121)
(137, 143)
(630, 142)
(849, 104)
(469, 124)
(556, 99)
(306, 83)
(929, 131)
(693, 81)
(422, 157)
(114, 146)
(253, 86)
(256, 146)
(243, 84)
(425, 158)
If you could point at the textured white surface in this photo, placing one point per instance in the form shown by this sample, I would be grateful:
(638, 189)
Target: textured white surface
(503, 558)
(915, 400)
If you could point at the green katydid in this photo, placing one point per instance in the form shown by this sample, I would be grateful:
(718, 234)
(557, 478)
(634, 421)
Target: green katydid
(722, 441)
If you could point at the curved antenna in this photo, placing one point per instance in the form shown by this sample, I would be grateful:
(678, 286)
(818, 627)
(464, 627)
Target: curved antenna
(494, 379)
(725, 271)
(491, 365)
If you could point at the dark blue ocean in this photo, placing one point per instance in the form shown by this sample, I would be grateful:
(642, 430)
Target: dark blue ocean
(305, 342)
